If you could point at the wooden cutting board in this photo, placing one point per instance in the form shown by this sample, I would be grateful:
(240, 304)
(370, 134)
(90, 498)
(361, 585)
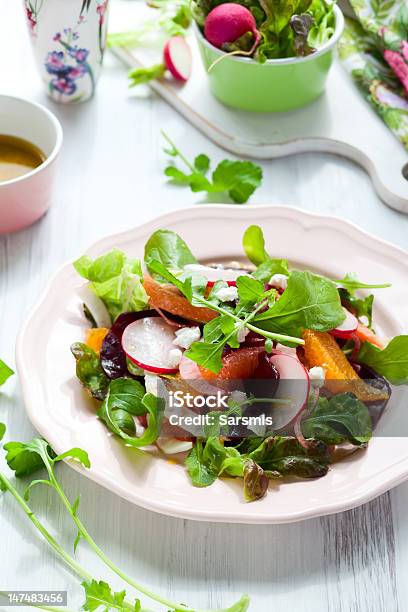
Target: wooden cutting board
(340, 122)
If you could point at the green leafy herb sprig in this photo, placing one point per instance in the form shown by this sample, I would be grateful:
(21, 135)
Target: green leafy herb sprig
(224, 329)
(239, 179)
(26, 458)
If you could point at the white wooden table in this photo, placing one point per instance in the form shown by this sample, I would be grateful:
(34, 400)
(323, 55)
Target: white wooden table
(112, 178)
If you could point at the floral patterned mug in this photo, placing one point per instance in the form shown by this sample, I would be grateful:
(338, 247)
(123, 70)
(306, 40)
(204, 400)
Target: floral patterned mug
(69, 39)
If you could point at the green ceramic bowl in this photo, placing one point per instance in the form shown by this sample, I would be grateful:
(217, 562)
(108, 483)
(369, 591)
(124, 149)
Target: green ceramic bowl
(275, 86)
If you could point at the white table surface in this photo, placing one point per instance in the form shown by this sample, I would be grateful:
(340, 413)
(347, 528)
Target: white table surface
(112, 178)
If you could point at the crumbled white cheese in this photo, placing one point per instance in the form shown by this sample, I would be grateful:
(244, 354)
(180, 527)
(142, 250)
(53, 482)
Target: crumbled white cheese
(227, 294)
(175, 356)
(242, 334)
(186, 336)
(317, 376)
(151, 382)
(279, 281)
(238, 396)
(259, 429)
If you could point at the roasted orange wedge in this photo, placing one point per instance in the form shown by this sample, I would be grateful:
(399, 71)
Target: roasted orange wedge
(167, 297)
(95, 337)
(321, 349)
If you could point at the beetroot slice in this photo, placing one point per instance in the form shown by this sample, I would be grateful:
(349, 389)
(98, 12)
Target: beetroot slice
(113, 358)
(112, 355)
(127, 318)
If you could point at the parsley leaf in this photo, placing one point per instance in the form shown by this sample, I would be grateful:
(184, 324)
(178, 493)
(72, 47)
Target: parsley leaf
(237, 178)
(340, 419)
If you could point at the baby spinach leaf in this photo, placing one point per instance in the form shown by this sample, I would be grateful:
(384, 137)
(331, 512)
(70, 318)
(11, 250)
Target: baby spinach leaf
(169, 249)
(2, 430)
(5, 372)
(310, 301)
(127, 394)
(340, 419)
(285, 456)
(201, 475)
(391, 362)
(154, 406)
(116, 279)
(89, 370)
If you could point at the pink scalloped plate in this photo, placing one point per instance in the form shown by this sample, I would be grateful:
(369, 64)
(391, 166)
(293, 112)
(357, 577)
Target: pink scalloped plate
(60, 410)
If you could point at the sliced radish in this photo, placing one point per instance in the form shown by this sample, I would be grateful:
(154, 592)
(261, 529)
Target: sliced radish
(294, 385)
(149, 344)
(173, 446)
(228, 275)
(177, 58)
(348, 326)
(288, 350)
(191, 373)
(95, 306)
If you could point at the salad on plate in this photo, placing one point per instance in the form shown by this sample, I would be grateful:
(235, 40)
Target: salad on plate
(249, 369)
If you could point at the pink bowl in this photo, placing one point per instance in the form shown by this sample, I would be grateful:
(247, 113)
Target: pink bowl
(25, 199)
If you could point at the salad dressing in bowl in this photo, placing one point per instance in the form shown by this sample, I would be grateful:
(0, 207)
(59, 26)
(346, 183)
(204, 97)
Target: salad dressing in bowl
(18, 157)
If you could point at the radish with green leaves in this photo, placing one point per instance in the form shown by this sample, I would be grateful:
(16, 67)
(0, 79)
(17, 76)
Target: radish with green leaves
(226, 23)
